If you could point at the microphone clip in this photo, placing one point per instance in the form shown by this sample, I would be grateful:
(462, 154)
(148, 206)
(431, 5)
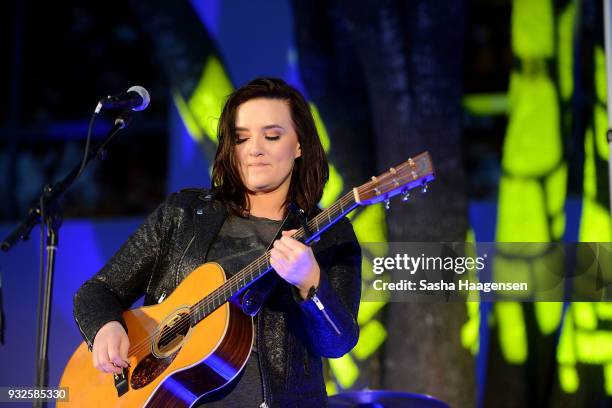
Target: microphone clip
(124, 119)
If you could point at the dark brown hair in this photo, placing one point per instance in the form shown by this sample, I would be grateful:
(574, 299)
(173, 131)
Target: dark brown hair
(310, 170)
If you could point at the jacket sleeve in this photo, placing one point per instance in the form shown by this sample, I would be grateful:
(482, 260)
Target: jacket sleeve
(123, 280)
(330, 316)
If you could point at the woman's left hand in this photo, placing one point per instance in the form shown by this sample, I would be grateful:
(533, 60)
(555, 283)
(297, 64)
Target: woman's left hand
(295, 263)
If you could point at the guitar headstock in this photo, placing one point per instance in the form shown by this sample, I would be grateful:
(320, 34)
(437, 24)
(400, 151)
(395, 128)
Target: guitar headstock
(413, 173)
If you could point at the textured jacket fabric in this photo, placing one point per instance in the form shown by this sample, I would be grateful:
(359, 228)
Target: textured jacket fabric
(293, 334)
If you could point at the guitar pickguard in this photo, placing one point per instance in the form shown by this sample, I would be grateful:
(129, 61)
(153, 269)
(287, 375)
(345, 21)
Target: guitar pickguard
(149, 369)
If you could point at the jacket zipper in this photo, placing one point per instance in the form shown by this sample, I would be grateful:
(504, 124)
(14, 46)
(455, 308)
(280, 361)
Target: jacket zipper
(89, 344)
(264, 404)
(180, 263)
(322, 309)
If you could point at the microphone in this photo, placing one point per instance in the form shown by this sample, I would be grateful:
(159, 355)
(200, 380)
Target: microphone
(136, 98)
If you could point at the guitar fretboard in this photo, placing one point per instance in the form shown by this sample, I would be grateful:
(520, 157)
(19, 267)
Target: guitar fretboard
(260, 266)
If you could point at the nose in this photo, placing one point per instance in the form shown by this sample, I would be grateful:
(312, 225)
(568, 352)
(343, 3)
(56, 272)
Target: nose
(256, 147)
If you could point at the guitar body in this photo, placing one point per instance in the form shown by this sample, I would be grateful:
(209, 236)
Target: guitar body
(171, 363)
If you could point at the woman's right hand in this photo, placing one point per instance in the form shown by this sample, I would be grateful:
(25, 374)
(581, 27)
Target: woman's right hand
(110, 348)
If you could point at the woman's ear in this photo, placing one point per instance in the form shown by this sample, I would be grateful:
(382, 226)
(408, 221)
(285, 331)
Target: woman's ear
(298, 151)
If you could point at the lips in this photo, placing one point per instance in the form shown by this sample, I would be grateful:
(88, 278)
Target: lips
(258, 164)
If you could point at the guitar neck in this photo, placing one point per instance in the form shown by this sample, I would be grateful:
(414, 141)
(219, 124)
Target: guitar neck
(260, 266)
(414, 172)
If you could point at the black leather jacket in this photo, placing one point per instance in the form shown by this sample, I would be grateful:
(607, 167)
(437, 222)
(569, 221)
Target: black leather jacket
(293, 334)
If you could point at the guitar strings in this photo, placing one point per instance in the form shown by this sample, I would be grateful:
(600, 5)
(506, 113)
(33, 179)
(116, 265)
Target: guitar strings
(259, 262)
(216, 294)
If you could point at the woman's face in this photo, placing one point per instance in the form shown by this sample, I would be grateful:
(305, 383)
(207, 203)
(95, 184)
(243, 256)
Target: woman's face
(266, 144)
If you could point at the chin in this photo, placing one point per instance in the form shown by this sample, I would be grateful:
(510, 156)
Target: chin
(265, 188)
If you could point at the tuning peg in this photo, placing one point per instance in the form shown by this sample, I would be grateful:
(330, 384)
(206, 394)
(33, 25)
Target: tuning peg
(387, 204)
(424, 188)
(406, 196)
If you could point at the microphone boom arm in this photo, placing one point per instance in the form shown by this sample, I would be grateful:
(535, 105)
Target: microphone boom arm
(52, 193)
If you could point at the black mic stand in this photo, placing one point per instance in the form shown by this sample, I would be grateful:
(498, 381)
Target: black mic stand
(49, 211)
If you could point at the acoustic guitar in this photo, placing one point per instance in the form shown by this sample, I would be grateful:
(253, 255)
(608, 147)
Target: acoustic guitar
(195, 341)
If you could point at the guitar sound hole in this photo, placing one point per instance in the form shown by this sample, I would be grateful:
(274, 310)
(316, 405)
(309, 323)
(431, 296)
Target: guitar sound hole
(173, 333)
(168, 342)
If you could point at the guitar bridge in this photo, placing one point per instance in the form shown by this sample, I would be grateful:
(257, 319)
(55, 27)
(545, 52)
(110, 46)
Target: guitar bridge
(121, 382)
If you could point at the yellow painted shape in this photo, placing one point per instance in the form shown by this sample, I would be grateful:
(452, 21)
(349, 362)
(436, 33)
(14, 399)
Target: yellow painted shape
(190, 122)
(372, 335)
(568, 379)
(512, 332)
(345, 370)
(532, 28)
(486, 104)
(604, 310)
(367, 310)
(320, 125)
(600, 74)
(209, 96)
(521, 212)
(331, 388)
(594, 347)
(370, 226)
(595, 219)
(333, 188)
(584, 315)
(566, 355)
(608, 378)
(470, 330)
(533, 127)
(548, 315)
(565, 56)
